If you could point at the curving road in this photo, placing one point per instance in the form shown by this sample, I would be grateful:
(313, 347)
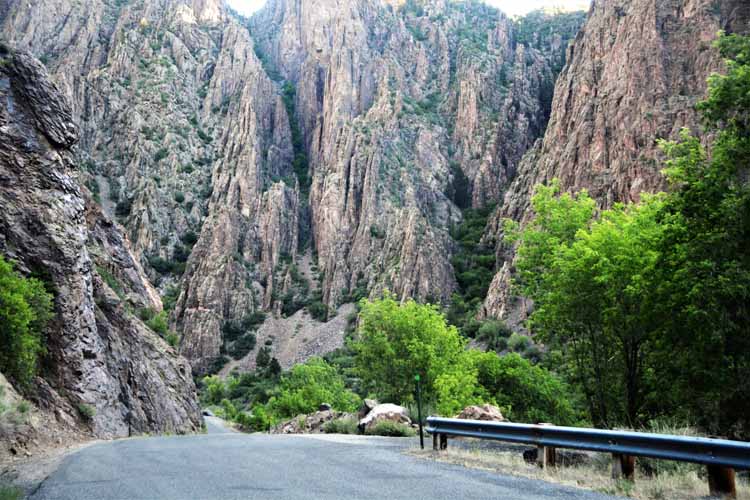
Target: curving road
(227, 465)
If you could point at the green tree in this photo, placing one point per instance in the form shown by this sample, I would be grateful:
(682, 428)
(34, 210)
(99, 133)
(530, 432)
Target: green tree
(25, 309)
(704, 268)
(397, 341)
(309, 385)
(527, 393)
(590, 280)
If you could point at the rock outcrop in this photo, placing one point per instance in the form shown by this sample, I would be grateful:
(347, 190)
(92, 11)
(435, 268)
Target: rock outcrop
(343, 137)
(485, 412)
(383, 413)
(634, 74)
(99, 356)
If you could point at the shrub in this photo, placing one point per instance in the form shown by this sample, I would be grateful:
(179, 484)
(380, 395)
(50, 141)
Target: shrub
(25, 309)
(172, 339)
(242, 346)
(123, 207)
(391, 429)
(179, 197)
(309, 385)
(318, 310)
(158, 323)
(10, 493)
(341, 426)
(160, 155)
(86, 411)
(190, 238)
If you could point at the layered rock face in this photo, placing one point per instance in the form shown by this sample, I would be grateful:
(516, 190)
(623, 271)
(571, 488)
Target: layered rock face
(634, 74)
(408, 112)
(98, 354)
(324, 153)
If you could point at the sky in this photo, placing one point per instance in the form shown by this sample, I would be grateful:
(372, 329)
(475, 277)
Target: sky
(510, 7)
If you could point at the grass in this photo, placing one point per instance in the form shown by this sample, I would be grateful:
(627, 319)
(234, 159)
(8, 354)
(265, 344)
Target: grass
(390, 429)
(679, 485)
(341, 426)
(10, 493)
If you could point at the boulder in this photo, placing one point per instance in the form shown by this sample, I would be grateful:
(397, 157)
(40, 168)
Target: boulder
(309, 424)
(487, 413)
(367, 406)
(382, 413)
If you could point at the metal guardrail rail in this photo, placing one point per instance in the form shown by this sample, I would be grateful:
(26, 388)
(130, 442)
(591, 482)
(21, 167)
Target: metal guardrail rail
(722, 452)
(720, 455)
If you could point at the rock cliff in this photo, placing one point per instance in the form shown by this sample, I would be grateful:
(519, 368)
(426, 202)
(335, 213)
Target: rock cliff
(314, 154)
(634, 73)
(104, 370)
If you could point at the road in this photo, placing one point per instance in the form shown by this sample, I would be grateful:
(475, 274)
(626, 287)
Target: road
(228, 465)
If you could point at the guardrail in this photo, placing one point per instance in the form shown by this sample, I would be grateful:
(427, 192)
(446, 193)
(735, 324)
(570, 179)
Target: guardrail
(721, 456)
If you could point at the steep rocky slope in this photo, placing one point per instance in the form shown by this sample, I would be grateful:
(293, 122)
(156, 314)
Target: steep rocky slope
(346, 134)
(634, 74)
(98, 354)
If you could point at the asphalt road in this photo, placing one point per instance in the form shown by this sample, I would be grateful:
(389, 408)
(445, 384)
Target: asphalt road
(228, 465)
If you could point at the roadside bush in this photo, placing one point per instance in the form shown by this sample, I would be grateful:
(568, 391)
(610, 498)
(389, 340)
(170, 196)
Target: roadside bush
(390, 429)
(10, 493)
(25, 309)
(307, 386)
(341, 426)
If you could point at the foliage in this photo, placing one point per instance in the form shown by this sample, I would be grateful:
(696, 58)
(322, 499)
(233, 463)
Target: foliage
(300, 163)
(590, 281)
(309, 385)
(396, 341)
(526, 392)
(10, 493)
(25, 309)
(341, 426)
(86, 411)
(318, 310)
(495, 334)
(474, 264)
(703, 273)
(390, 429)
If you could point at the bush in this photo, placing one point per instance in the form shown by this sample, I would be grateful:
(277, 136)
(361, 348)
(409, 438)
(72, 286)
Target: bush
(123, 208)
(318, 310)
(391, 429)
(242, 346)
(25, 309)
(160, 155)
(158, 323)
(307, 386)
(179, 197)
(341, 426)
(172, 339)
(86, 411)
(10, 493)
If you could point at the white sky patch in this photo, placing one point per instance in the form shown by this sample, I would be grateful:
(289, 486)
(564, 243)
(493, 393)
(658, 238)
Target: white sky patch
(510, 7)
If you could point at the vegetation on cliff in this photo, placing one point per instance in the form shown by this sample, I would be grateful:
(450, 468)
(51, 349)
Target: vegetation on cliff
(25, 308)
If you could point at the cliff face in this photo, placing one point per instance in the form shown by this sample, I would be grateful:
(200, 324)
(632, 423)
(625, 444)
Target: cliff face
(98, 353)
(407, 113)
(318, 154)
(634, 74)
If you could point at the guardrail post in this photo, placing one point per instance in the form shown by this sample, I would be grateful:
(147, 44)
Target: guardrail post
(443, 441)
(721, 482)
(546, 455)
(435, 439)
(623, 466)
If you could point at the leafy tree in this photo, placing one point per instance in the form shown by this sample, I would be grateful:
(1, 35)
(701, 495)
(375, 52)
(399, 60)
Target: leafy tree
(590, 280)
(704, 268)
(309, 385)
(396, 341)
(526, 392)
(25, 309)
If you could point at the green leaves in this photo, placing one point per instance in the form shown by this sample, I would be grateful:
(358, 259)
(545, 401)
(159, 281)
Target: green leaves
(309, 385)
(25, 309)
